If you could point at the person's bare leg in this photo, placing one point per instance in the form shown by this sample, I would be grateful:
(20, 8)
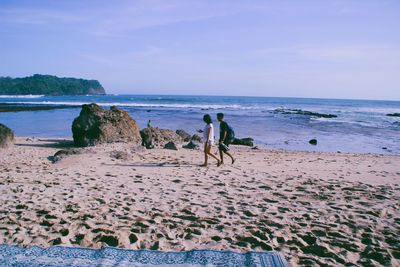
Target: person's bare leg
(221, 155)
(212, 155)
(233, 160)
(205, 156)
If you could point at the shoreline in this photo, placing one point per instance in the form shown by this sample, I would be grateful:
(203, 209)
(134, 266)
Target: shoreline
(313, 207)
(257, 146)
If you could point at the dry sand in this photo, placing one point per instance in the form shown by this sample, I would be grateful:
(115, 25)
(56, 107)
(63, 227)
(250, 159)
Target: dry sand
(315, 208)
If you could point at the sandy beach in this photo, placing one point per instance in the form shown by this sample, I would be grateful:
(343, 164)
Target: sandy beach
(315, 208)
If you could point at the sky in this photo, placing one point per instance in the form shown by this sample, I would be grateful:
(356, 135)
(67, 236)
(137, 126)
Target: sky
(300, 48)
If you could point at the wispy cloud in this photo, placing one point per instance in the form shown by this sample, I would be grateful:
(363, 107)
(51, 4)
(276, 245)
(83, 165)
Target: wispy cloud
(359, 53)
(368, 52)
(135, 15)
(147, 53)
(38, 16)
(110, 19)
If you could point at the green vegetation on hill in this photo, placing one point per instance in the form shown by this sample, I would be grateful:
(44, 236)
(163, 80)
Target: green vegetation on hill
(49, 85)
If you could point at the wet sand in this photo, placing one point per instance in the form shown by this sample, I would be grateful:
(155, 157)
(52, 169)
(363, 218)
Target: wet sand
(315, 208)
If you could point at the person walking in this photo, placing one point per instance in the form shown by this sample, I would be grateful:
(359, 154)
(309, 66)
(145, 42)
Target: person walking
(226, 136)
(208, 137)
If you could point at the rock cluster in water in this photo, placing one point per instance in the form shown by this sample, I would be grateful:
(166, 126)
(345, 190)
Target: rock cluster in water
(243, 141)
(313, 142)
(304, 112)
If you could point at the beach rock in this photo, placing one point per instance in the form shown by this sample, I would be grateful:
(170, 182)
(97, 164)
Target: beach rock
(185, 136)
(60, 154)
(313, 142)
(96, 125)
(191, 145)
(393, 114)
(6, 136)
(196, 138)
(170, 145)
(158, 137)
(243, 141)
(116, 154)
(147, 138)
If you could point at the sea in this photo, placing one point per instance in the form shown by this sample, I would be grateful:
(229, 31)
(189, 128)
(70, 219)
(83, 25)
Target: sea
(360, 126)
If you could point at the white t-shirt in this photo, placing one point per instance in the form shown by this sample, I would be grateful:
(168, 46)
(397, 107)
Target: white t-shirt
(205, 134)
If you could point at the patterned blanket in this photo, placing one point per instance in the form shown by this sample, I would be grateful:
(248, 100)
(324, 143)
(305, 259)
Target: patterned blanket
(74, 256)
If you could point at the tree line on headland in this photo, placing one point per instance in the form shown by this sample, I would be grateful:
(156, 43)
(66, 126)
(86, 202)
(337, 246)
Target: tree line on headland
(49, 85)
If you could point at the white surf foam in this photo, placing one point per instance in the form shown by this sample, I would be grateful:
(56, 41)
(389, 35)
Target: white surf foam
(21, 96)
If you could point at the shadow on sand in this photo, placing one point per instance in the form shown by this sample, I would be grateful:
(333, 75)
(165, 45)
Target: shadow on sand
(51, 143)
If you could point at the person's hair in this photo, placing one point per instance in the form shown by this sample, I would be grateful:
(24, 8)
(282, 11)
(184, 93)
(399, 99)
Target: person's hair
(220, 116)
(207, 119)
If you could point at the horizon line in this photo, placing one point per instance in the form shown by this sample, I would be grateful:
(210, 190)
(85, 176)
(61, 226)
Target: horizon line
(298, 97)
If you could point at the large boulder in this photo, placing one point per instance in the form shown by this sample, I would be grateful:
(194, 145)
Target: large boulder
(154, 136)
(96, 125)
(6, 136)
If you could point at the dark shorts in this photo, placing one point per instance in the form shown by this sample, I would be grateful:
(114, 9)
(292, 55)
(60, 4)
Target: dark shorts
(225, 145)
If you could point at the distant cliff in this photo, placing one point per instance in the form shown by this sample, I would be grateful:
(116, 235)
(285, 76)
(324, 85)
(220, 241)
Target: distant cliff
(49, 85)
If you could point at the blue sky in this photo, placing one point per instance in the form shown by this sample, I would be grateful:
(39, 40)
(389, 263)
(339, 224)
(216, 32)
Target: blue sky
(321, 48)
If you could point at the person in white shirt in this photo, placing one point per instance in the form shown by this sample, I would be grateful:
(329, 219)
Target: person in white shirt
(208, 137)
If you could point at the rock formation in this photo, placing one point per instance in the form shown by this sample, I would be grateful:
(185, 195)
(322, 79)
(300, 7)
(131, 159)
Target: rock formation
(185, 136)
(313, 142)
(191, 145)
(96, 125)
(64, 153)
(6, 136)
(171, 146)
(243, 141)
(154, 136)
(304, 112)
(196, 138)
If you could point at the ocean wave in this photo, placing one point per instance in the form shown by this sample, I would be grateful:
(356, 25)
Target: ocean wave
(346, 122)
(369, 110)
(21, 96)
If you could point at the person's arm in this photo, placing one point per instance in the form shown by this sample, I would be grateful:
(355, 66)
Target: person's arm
(208, 133)
(223, 136)
(224, 132)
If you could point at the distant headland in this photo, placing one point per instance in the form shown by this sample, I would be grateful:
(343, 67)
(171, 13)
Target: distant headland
(49, 85)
